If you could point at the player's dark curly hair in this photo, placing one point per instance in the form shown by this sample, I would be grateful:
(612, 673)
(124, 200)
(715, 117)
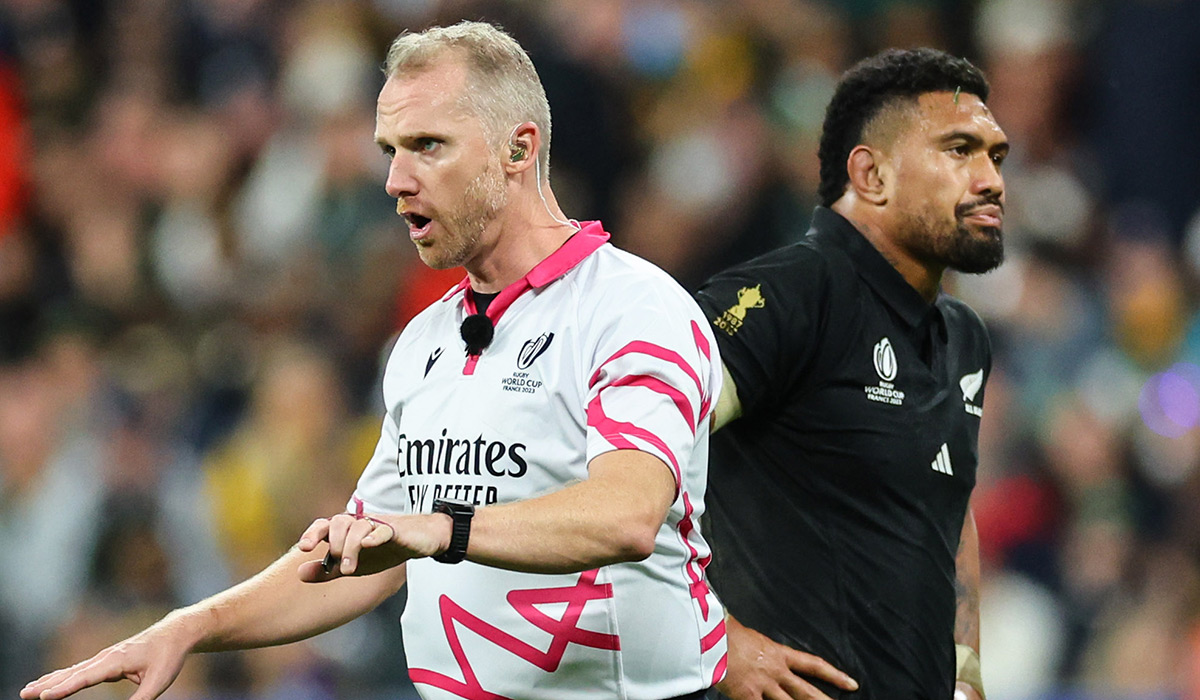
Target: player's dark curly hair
(873, 84)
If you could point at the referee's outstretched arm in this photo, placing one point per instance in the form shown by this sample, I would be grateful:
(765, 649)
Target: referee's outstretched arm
(274, 607)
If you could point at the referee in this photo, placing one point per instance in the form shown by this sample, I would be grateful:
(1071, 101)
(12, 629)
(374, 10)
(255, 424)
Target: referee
(844, 546)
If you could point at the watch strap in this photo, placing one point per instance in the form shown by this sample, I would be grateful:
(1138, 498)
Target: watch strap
(460, 513)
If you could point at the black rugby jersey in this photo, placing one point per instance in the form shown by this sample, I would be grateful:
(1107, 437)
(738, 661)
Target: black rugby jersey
(836, 501)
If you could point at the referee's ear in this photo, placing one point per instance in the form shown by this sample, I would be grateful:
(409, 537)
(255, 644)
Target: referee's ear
(866, 170)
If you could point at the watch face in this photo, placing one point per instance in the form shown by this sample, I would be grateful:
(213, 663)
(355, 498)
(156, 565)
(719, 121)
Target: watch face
(453, 507)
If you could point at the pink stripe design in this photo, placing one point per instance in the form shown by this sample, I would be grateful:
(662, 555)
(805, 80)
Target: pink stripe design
(701, 341)
(710, 640)
(698, 587)
(656, 384)
(563, 632)
(615, 431)
(719, 672)
(703, 346)
(656, 351)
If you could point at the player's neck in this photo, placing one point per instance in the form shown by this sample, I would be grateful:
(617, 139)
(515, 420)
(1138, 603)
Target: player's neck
(522, 236)
(925, 279)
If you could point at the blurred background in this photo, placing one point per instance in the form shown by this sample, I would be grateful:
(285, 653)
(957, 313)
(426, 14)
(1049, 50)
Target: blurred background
(200, 274)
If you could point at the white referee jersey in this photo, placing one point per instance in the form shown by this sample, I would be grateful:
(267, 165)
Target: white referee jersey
(595, 350)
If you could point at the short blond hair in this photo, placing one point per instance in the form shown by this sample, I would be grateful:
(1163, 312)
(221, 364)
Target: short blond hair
(503, 88)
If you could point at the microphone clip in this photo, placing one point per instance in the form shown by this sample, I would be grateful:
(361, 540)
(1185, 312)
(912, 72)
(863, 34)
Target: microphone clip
(477, 331)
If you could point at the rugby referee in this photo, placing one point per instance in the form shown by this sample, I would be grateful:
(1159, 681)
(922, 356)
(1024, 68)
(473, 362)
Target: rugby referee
(844, 546)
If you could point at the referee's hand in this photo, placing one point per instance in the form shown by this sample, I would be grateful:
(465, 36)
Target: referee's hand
(361, 545)
(763, 669)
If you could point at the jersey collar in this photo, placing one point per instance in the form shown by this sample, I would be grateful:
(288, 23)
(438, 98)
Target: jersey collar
(575, 250)
(870, 264)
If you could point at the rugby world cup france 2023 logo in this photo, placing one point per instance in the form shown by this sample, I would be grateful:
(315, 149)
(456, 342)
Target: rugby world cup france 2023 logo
(532, 349)
(885, 360)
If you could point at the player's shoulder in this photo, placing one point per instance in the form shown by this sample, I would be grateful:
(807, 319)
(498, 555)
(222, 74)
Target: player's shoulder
(960, 314)
(797, 273)
(805, 255)
(965, 322)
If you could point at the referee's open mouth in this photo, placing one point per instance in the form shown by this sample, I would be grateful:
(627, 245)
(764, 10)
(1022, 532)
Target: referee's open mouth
(418, 225)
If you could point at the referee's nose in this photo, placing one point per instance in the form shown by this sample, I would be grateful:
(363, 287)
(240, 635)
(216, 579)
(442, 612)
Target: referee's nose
(400, 180)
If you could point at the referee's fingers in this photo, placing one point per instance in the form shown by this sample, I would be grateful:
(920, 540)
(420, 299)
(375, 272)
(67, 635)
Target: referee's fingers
(816, 667)
(353, 544)
(381, 534)
(317, 532)
(339, 526)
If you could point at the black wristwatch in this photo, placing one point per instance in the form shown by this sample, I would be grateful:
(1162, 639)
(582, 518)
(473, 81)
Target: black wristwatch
(460, 513)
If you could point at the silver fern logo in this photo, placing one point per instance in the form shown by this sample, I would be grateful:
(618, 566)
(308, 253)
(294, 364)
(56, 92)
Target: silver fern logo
(885, 360)
(970, 385)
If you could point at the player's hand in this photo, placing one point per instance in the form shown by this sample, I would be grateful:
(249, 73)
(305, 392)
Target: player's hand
(152, 659)
(962, 691)
(361, 546)
(763, 669)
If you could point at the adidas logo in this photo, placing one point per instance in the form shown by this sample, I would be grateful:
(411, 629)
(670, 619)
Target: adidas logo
(941, 463)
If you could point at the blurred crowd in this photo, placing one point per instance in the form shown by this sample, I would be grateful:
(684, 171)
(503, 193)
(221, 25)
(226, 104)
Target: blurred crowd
(200, 273)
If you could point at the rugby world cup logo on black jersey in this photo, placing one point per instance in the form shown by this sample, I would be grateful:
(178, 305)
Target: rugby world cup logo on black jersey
(884, 358)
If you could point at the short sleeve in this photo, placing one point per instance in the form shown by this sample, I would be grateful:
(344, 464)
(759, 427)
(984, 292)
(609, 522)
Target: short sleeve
(652, 379)
(379, 488)
(766, 316)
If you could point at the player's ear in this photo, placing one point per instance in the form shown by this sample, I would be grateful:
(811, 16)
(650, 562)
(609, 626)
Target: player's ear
(868, 174)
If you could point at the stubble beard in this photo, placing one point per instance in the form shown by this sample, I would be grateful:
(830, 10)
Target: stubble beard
(484, 198)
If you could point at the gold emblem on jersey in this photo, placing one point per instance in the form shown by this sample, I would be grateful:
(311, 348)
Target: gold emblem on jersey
(732, 319)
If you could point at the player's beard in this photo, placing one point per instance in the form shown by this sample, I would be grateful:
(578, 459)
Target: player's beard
(954, 244)
(484, 198)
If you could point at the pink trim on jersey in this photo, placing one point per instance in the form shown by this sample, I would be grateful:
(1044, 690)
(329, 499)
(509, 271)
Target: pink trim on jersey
(656, 351)
(710, 640)
(656, 384)
(575, 250)
(615, 431)
(701, 341)
(719, 671)
(698, 587)
(563, 632)
(702, 345)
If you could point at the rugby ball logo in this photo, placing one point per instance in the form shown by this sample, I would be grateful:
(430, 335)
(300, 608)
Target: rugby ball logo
(533, 349)
(885, 360)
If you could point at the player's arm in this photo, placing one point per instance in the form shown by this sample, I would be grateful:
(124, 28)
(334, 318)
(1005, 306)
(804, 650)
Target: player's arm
(760, 667)
(969, 683)
(728, 406)
(273, 607)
